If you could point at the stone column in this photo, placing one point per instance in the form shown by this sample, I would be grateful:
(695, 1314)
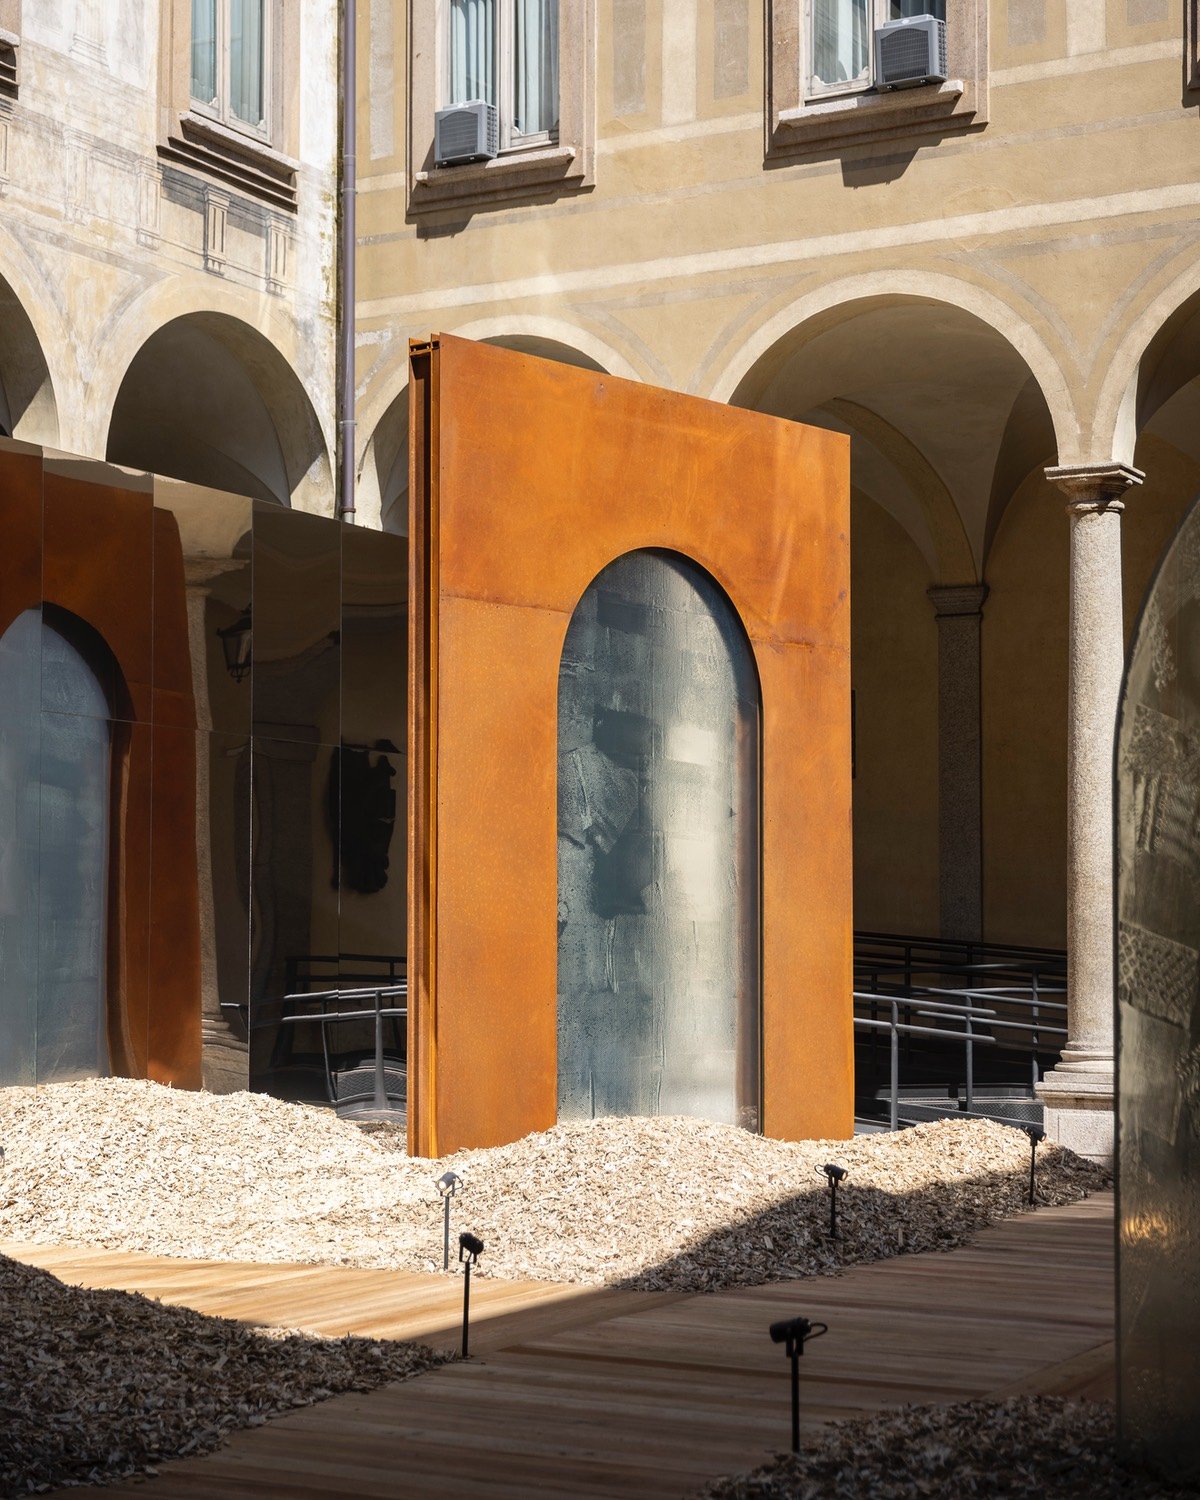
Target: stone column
(958, 609)
(1078, 1092)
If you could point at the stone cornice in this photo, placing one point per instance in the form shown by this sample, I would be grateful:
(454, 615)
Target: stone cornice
(1094, 486)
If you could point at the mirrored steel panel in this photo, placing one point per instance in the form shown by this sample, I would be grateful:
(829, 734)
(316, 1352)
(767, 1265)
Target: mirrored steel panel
(223, 820)
(1158, 799)
(658, 987)
(297, 625)
(203, 634)
(20, 816)
(75, 852)
(294, 913)
(97, 572)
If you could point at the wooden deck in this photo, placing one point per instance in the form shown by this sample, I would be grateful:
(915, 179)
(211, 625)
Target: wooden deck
(602, 1393)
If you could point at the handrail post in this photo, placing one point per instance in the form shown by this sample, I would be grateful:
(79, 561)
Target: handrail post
(381, 1099)
(894, 1108)
(1034, 1049)
(970, 1057)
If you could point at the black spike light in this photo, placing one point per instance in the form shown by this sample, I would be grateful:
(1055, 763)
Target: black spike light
(1036, 1135)
(833, 1175)
(448, 1184)
(470, 1248)
(794, 1333)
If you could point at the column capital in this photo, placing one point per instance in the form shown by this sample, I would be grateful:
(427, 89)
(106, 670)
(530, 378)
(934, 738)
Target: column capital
(950, 599)
(1094, 486)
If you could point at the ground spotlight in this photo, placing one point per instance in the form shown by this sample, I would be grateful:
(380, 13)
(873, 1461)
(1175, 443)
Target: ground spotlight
(470, 1248)
(833, 1175)
(794, 1333)
(448, 1184)
(1036, 1134)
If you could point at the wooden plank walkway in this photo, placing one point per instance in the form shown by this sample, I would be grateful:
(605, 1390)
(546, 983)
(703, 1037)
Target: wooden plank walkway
(580, 1392)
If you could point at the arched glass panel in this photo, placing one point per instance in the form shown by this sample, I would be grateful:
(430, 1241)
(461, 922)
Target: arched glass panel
(658, 858)
(54, 832)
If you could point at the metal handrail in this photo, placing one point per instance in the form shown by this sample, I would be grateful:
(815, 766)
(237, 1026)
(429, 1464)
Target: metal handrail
(380, 1012)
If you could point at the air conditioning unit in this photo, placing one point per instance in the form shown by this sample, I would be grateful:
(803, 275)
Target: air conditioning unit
(465, 132)
(910, 52)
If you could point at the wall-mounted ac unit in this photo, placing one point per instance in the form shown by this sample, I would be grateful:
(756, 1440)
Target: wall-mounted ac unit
(465, 132)
(910, 52)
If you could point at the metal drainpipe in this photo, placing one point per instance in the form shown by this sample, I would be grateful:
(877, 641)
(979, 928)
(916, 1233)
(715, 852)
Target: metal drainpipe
(347, 238)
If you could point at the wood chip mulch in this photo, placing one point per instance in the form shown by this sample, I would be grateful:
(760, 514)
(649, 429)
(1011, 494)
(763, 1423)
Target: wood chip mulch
(660, 1203)
(95, 1386)
(1028, 1448)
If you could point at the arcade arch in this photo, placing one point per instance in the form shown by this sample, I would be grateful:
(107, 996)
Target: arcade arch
(948, 421)
(209, 399)
(28, 408)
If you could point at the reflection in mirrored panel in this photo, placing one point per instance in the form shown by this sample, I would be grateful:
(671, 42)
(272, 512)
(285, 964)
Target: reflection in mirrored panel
(369, 1066)
(20, 808)
(1158, 973)
(202, 618)
(74, 861)
(297, 625)
(658, 916)
(223, 883)
(294, 912)
(97, 568)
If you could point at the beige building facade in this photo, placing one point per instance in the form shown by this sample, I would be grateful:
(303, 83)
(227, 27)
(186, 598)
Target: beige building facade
(992, 284)
(166, 265)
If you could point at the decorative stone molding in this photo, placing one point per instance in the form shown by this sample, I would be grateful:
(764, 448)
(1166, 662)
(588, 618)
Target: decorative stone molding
(799, 125)
(1094, 486)
(266, 169)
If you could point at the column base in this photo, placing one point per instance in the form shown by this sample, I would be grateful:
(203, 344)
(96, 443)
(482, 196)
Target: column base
(1079, 1113)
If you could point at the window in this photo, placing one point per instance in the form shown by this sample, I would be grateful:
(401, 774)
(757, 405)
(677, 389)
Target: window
(229, 62)
(530, 59)
(841, 50)
(820, 94)
(10, 45)
(229, 80)
(505, 52)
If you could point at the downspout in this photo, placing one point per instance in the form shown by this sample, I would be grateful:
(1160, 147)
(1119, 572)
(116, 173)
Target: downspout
(346, 248)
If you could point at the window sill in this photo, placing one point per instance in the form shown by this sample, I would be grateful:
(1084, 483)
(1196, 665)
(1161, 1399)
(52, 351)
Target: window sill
(249, 165)
(822, 124)
(524, 173)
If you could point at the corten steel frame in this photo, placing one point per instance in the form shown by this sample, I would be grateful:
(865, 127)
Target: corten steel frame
(110, 559)
(527, 478)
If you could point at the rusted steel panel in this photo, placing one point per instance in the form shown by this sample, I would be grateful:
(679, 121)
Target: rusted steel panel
(528, 478)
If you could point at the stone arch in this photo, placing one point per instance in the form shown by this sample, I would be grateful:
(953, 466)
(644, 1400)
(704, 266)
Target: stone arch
(1157, 357)
(28, 405)
(951, 400)
(899, 353)
(210, 399)
(830, 303)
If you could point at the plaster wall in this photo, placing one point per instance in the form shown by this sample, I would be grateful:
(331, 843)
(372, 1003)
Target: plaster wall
(103, 242)
(970, 305)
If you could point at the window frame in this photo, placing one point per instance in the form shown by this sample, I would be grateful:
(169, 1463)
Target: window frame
(800, 122)
(504, 59)
(528, 166)
(218, 109)
(262, 164)
(10, 48)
